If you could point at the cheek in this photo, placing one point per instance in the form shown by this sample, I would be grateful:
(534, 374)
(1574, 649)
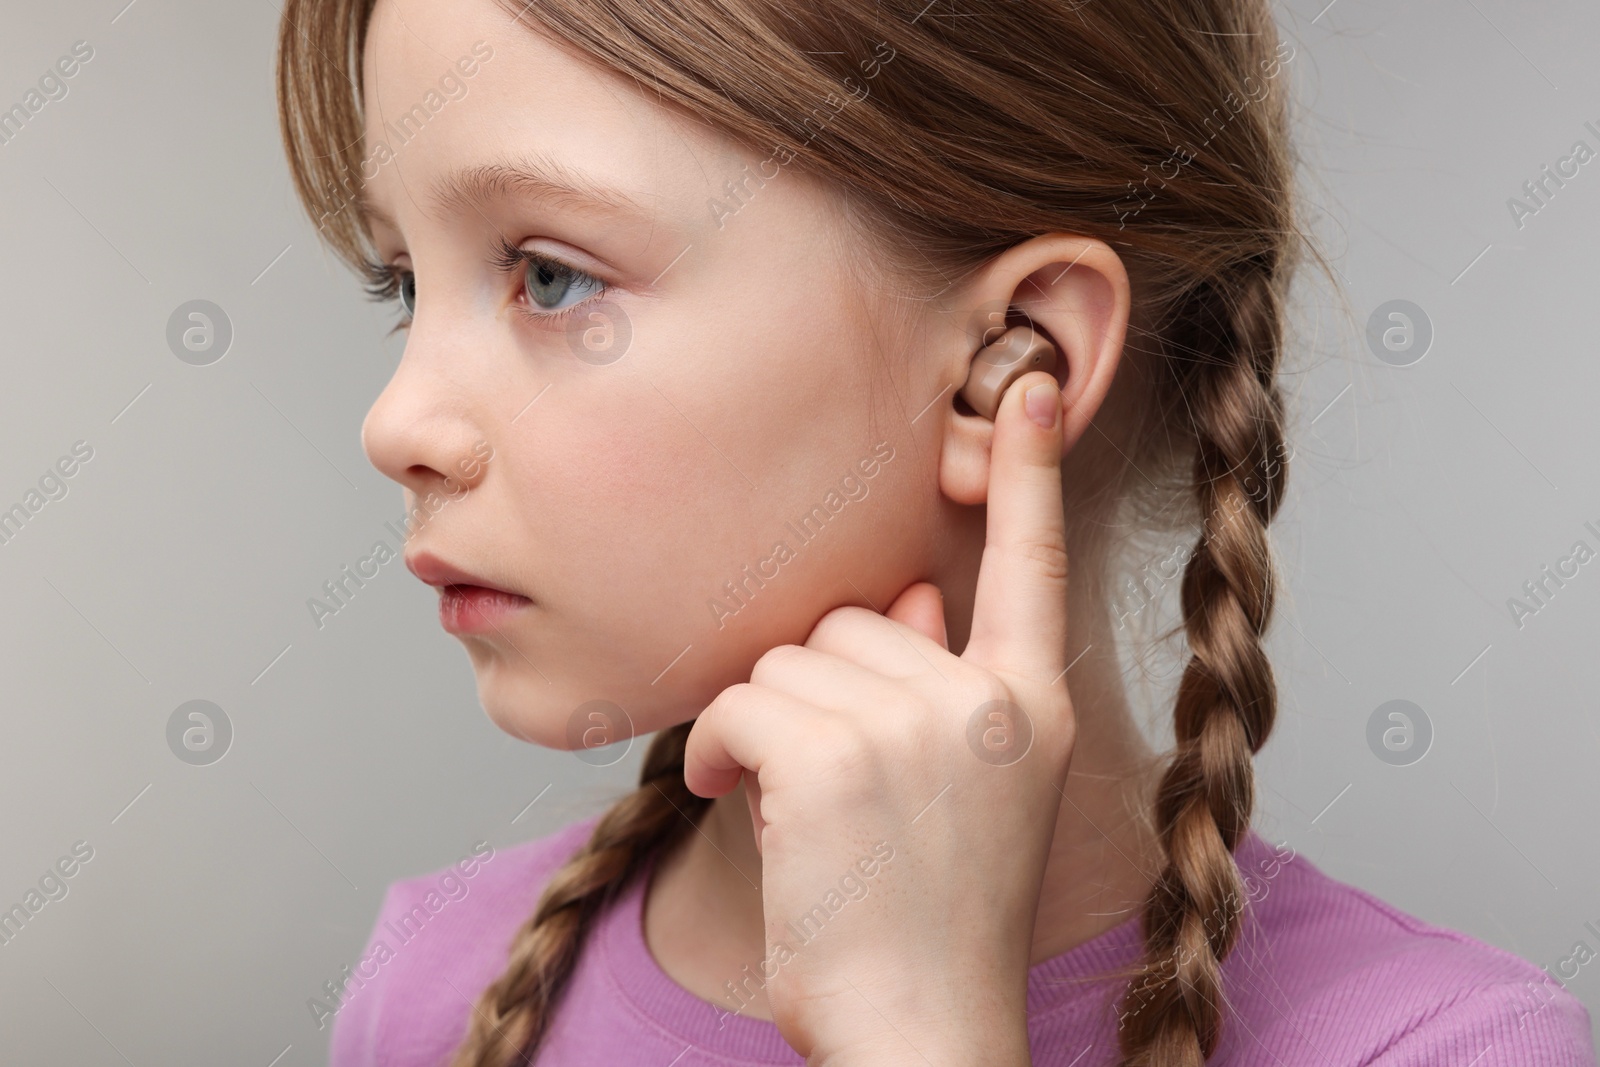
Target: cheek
(673, 515)
(622, 504)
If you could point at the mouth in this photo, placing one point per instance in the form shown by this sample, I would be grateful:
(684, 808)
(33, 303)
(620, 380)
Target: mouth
(468, 604)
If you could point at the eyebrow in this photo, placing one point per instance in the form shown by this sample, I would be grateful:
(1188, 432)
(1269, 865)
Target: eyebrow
(535, 175)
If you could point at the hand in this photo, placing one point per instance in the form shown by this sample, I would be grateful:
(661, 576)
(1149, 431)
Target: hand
(905, 798)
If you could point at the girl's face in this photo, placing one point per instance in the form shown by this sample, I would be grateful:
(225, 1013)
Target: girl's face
(683, 433)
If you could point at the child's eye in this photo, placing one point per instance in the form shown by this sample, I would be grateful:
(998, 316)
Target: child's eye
(550, 285)
(407, 286)
(385, 282)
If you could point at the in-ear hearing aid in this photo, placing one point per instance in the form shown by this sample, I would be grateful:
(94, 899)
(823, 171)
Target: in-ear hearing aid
(1011, 355)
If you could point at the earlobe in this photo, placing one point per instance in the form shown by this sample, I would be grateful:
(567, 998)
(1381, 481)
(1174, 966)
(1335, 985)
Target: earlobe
(964, 458)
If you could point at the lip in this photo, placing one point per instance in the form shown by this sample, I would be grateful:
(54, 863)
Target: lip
(468, 604)
(436, 572)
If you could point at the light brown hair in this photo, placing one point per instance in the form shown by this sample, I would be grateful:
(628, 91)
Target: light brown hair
(1158, 126)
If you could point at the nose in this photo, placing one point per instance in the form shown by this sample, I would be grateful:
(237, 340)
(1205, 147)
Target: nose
(423, 431)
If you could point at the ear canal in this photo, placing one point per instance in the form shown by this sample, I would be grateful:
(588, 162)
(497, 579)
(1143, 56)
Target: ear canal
(1011, 355)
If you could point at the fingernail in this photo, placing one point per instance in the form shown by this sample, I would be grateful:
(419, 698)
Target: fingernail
(1041, 402)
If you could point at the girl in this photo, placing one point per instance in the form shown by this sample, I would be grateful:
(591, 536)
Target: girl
(693, 290)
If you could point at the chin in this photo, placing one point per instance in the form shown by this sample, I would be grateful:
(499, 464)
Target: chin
(553, 712)
(568, 710)
(522, 703)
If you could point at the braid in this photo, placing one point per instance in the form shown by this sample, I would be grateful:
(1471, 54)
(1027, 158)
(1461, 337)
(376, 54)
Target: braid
(1227, 699)
(512, 1014)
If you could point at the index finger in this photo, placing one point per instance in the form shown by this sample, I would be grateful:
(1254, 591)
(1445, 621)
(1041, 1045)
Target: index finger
(1019, 620)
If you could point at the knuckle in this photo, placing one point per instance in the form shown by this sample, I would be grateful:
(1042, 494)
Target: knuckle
(1047, 557)
(837, 624)
(911, 735)
(847, 742)
(983, 687)
(832, 752)
(728, 698)
(774, 663)
(848, 750)
(909, 732)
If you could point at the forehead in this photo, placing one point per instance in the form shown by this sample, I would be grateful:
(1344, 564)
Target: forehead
(450, 86)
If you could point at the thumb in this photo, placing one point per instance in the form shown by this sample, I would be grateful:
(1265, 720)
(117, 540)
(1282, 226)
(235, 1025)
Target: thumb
(921, 607)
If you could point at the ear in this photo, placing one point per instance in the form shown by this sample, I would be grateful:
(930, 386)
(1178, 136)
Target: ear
(1075, 291)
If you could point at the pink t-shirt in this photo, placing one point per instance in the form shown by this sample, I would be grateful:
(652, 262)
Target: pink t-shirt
(1324, 975)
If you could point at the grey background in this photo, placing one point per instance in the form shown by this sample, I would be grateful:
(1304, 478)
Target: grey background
(221, 497)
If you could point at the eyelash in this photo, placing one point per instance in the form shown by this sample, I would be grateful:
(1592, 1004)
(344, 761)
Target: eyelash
(383, 281)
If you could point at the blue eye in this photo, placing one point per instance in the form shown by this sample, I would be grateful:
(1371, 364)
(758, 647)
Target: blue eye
(548, 282)
(385, 282)
(553, 288)
(551, 285)
(406, 284)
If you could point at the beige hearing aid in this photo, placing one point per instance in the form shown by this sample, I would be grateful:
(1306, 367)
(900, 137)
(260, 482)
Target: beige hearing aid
(1011, 355)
